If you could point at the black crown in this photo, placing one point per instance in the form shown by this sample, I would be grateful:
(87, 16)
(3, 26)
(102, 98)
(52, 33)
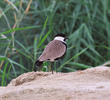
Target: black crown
(61, 34)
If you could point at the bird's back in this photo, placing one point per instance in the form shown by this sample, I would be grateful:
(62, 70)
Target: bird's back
(55, 49)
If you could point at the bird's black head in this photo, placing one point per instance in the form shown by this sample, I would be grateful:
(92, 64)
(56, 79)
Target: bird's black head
(61, 35)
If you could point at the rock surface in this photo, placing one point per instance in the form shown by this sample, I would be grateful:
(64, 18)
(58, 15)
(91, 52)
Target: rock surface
(90, 84)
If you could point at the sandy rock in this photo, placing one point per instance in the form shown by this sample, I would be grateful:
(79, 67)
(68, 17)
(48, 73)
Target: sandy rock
(90, 84)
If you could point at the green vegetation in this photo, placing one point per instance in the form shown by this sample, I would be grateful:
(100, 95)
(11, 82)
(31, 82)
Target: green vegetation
(26, 26)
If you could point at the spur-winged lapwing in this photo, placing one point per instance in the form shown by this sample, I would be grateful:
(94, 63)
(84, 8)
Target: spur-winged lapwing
(54, 50)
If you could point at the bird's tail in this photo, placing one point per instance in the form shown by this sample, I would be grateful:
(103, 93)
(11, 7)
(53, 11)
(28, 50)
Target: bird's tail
(37, 65)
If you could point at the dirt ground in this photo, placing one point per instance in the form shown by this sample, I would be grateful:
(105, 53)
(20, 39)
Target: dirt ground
(90, 84)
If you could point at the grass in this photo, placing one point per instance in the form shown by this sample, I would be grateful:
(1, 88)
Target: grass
(26, 26)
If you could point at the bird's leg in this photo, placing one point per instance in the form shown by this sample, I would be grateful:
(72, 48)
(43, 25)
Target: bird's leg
(55, 66)
(52, 66)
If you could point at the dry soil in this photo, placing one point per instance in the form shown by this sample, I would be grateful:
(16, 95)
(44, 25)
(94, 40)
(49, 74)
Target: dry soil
(90, 84)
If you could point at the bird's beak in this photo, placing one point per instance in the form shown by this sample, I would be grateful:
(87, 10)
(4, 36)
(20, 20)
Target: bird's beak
(66, 38)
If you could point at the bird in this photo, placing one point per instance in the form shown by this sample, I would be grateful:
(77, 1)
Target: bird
(54, 50)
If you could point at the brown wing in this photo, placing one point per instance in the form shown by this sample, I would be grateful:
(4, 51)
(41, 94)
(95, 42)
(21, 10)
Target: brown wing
(55, 49)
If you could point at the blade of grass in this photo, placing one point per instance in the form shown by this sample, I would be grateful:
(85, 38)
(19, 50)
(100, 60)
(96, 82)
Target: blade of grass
(21, 66)
(44, 38)
(35, 48)
(82, 66)
(18, 29)
(77, 55)
(44, 27)
(3, 75)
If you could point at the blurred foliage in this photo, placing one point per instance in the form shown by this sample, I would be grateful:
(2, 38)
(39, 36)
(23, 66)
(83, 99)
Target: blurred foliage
(26, 26)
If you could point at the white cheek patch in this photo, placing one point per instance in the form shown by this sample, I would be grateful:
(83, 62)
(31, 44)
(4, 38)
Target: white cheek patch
(59, 38)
